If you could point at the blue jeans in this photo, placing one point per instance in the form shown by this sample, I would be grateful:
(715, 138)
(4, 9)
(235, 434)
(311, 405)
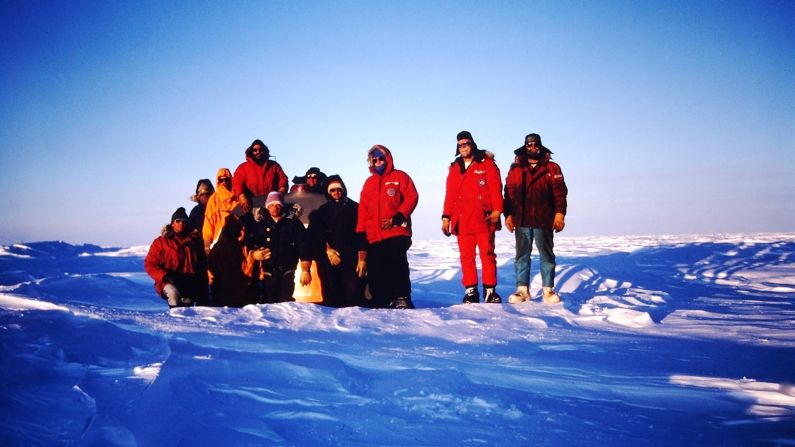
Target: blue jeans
(524, 247)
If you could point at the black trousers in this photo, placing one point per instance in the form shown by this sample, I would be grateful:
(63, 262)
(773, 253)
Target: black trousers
(278, 286)
(388, 270)
(340, 285)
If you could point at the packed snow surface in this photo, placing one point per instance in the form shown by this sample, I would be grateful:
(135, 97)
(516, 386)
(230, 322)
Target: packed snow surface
(660, 340)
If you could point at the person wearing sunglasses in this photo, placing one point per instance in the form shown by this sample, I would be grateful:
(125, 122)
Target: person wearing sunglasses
(535, 209)
(386, 202)
(343, 262)
(177, 263)
(313, 181)
(472, 208)
(257, 176)
(204, 189)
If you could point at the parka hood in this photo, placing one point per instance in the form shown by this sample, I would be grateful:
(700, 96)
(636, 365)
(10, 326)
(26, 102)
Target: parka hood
(222, 172)
(389, 163)
(204, 185)
(250, 156)
(336, 179)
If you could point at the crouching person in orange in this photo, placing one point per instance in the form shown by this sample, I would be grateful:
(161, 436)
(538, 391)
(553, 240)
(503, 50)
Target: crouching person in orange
(472, 208)
(177, 263)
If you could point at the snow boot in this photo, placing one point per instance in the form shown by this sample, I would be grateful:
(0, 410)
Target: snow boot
(472, 295)
(490, 295)
(520, 296)
(402, 302)
(550, 297)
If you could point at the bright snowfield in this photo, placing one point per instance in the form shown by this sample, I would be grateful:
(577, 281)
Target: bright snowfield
(660, 341)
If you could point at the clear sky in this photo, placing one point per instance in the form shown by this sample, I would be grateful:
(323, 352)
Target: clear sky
(666, 117)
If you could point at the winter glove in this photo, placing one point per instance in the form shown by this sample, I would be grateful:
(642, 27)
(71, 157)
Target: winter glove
(298, 210)
(245, 203)
(398, 219)
(306, 272)
(559, 222)
(509, 223)
(361, 264)
(333, 256)
(446, 227)
(261, 254)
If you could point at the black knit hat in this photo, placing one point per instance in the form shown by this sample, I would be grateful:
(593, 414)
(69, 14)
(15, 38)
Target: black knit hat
(179, 214)
(464, 134)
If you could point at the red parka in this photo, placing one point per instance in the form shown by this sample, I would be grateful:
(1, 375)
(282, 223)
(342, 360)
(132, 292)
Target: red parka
(534, 195)
(382, 197)
(256, 179)
(472, 194)
(174, 253)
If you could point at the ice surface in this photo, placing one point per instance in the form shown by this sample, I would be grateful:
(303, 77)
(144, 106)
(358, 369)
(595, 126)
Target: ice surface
(660, 340)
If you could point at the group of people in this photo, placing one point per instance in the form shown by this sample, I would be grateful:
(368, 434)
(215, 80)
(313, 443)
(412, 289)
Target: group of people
(247, 237)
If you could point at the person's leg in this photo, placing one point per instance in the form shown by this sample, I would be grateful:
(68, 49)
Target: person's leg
(524, 247)
(545, 244)
(488, 258)
(377, 275)
(488, 261)
(466, 251)
(286, 286)
(398, 278)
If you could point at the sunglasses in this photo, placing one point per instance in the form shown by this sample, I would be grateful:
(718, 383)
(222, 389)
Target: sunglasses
(464, 144)
(180, 220)
(224, 179)
(377, 159)
(311, 176)
(205, 194)
(335, 190)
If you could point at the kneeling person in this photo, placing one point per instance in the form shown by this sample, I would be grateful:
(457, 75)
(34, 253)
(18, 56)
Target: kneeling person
(177, 263)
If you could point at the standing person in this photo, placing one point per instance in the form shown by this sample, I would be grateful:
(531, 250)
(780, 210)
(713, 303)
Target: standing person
(535, 209)
(257, 176)
(472, 208)
(204, 189)
(177, 263)
(286, 241)
(227, 263)
(387, 200)
(220, 205)
(343, 263)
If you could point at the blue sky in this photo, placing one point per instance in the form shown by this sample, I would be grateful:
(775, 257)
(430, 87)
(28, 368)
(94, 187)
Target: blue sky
(666, 117)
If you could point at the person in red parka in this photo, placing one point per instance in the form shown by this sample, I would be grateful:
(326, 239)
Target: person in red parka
(178, 264)
(257, 176)
(535, 209)
(472, 208)
(385, 205)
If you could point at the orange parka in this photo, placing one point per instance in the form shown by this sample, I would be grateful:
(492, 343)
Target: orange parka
(220, 205)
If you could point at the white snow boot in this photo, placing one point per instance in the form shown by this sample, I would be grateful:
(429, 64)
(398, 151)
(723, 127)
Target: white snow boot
(521, 295)
(550, 297)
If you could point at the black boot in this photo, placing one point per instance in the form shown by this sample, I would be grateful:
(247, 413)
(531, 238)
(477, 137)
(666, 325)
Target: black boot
(490, 295)
(472, 295)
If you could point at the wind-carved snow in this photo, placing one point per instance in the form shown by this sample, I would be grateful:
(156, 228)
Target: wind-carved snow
(690, 336)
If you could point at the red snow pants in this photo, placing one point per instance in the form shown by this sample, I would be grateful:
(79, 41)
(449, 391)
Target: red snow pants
(484, 242)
